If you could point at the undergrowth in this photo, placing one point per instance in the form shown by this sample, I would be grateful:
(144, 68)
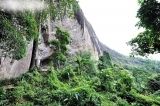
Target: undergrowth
(67, 87)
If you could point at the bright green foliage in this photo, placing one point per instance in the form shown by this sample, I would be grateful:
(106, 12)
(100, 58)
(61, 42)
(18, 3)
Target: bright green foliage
(125, 83)
(140, 1)
(63, 36)
(86, 63)
(107, 87)
(107, 80)
(105, 61)
(141, 79)
(147, 42)
(47, 89)
(59, 45)
(14, 32)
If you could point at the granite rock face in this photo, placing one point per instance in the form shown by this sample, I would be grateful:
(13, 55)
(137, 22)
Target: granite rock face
(82, 37)
(13, 68)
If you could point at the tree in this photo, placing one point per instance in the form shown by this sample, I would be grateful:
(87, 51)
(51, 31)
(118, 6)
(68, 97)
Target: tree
(154, 83)
(147, 42)
(105, 61)
(86, 63)
(60, 47)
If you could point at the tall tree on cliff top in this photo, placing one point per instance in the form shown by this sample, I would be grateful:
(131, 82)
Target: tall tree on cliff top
(147, 42)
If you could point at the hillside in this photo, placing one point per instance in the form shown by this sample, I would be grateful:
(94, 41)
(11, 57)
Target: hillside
(130, 62)
(81, 85)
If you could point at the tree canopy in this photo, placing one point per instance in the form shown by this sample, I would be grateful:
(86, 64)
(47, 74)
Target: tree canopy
(147, 42)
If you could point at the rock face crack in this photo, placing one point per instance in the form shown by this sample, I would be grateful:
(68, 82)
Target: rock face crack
(33, 57)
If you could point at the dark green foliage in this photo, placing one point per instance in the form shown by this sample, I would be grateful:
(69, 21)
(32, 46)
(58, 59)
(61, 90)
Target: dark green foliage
(154, 83)
(66, 74)
(59, 45)
(58, 56)
(147, 42)
(148, 14)
(105, 61)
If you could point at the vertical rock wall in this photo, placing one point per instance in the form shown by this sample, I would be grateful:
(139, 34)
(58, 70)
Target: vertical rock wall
(82, 37)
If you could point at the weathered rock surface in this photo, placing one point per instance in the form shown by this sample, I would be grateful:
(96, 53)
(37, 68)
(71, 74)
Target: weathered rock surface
(13, 68)
(82, 37)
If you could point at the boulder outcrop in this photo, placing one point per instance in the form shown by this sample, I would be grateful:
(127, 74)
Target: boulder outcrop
(82, 38)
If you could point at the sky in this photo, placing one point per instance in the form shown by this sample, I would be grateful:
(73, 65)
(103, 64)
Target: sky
(114, 22)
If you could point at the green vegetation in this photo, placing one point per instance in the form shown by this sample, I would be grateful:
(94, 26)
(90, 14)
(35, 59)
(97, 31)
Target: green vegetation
(60, 47)
(14, 32)
(83, 81)
(131, 63)
(112, 86)
(147, 42)
(105, 61)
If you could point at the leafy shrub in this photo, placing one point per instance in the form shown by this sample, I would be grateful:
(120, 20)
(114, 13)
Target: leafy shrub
(125, 83)
(66, 74)
(157, 93)
(105, 61)
(16, 95)
(107, 80)
(3, 99)
(122, 102)
(154, 83)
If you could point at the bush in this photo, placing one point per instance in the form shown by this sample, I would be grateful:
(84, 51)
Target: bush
(107, 80)
(66, 74)
(154, 83)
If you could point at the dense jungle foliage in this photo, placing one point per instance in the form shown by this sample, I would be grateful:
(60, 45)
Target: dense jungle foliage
(82, 83)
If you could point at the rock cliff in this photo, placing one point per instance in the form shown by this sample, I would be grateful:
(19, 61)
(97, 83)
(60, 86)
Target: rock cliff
(82, 37)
